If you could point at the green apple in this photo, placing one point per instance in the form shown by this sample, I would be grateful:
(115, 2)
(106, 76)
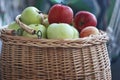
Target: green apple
(30, 15)
(16, 27)
(40, 31)
(76, 33)
(60, 31)
(13, 26)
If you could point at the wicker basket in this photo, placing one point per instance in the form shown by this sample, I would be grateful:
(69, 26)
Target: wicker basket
(48, 59)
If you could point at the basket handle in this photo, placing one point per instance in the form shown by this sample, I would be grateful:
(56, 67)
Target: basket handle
(24, 26)
(7, 31)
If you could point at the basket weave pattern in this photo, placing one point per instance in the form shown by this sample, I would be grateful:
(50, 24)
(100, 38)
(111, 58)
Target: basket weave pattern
(42, 59)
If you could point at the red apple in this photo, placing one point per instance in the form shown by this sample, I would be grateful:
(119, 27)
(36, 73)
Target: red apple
(89, 30)
(83, 19)
(59, 13)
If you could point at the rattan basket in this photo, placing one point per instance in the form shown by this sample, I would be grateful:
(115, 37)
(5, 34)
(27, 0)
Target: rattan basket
(47, 59)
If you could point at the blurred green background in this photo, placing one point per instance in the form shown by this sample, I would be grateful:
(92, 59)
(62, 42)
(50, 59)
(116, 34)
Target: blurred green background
(9, 9)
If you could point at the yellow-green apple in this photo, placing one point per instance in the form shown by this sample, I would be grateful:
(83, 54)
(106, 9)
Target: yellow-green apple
(89, 30)
(40, 31)
(16, 27)
(30, 15)
(83, 19)
(59, 13)
(60, 31)
(13, 26)
(76, 33)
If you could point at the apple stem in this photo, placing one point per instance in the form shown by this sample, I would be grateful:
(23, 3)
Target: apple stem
(63, 3)
(81, 23)
(40, 12)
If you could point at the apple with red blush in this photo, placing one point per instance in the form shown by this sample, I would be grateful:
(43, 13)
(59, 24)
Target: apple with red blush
(89, 30)
(60, 13)
(83, 19)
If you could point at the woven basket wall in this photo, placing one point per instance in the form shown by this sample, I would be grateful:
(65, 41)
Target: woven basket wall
(47, 59)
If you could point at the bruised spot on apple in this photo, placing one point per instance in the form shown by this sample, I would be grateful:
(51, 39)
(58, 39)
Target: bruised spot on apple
(89, 30)
(83, 19)
(59, 13)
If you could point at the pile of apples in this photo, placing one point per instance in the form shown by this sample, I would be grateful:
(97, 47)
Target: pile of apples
(59, 23)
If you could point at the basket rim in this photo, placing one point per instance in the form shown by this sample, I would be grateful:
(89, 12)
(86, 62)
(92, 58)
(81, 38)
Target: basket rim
(79, 42)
